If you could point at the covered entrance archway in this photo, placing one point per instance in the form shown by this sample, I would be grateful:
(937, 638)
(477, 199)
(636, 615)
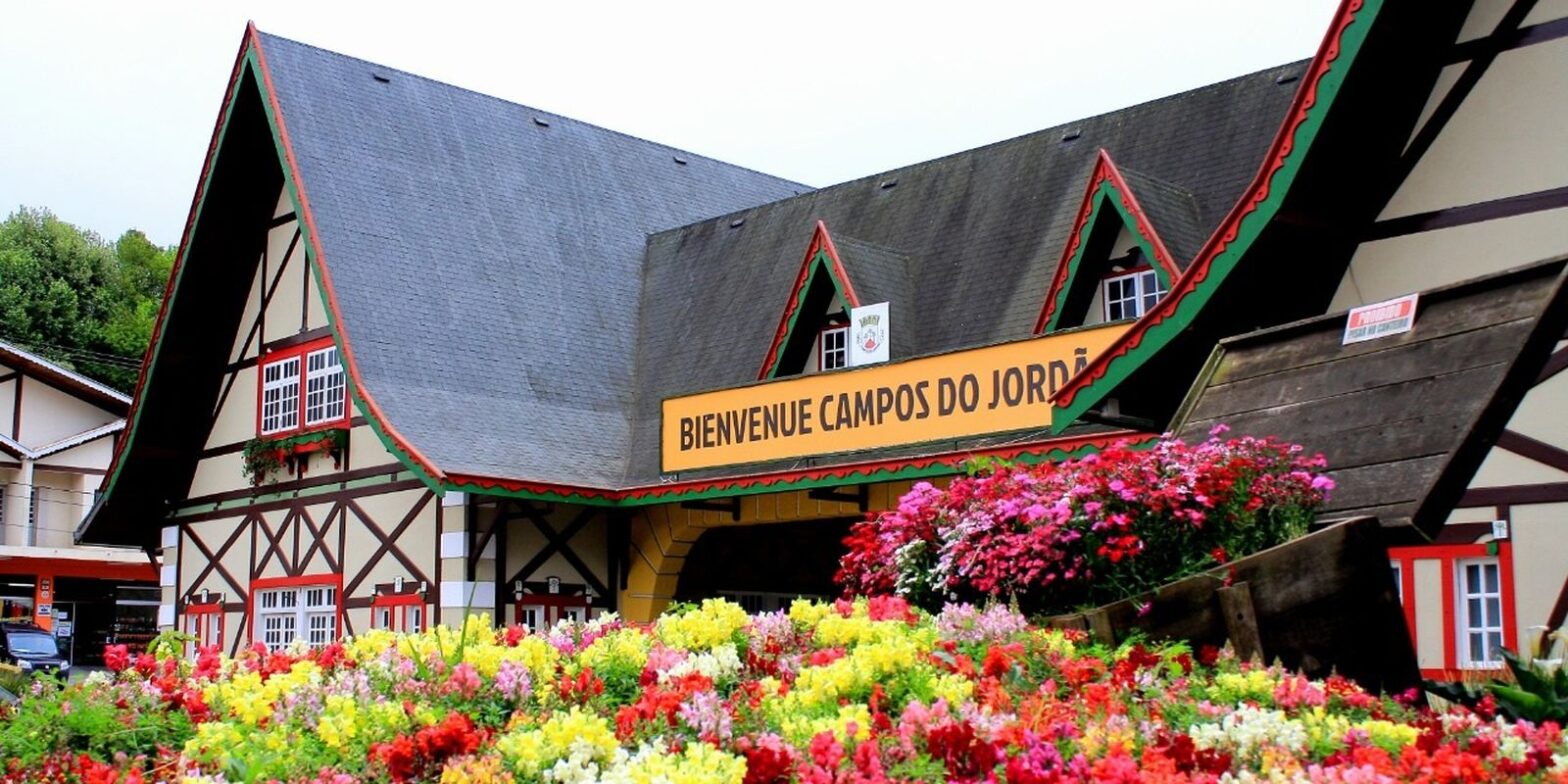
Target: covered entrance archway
(664, 539)
(765, 567)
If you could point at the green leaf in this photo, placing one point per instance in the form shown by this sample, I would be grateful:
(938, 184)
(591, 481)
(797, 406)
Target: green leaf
(1518, 703)
(1526, 675)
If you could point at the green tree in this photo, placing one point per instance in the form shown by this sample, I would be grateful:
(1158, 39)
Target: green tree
(68, 295)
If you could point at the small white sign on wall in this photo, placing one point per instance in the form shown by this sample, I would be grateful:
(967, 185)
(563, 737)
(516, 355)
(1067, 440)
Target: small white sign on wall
(869, 334)
(1380, 319)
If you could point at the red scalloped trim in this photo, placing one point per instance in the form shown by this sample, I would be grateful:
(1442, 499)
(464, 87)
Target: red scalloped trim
(1104, 169)
(842, 471)
(820, 241)
(1226, 232)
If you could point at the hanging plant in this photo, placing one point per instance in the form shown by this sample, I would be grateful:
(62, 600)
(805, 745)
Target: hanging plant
(260, 458)
(263, 455)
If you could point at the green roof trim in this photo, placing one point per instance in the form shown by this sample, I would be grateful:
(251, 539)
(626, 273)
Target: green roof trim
(1204, 277)
(1106, 193)
(821, 264)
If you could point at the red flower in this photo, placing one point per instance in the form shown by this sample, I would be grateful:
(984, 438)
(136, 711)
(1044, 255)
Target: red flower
(117, 657)
(421, 756)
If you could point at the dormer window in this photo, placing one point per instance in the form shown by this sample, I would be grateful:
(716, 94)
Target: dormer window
(302, 388)
(1130, 295)
(833, 348)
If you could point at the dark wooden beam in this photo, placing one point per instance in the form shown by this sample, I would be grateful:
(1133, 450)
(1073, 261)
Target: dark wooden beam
(560, 542)
(1539, 451)
(1556, 364)
(502, 523)
(214, 562)
(1456, 95)
(1449, 217)
(859, 495)
(282, 220)
(341, 477)
(1548, 493)
(16, 412)
(387, 542)
(1513, 39)
(1559, 611)
(295, 340)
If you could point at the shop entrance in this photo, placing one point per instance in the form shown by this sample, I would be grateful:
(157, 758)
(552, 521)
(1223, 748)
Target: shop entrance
(65, 629)
(89, 614)
(765, 567)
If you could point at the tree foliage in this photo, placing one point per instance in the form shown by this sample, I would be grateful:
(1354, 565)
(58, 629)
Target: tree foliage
(67, 294)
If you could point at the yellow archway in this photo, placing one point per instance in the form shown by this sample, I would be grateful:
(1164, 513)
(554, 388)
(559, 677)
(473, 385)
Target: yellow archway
(662, 536)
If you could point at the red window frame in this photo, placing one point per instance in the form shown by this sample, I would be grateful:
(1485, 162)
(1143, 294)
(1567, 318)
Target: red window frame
(552, 606)
(398, 606)
(1448, 557)
(302, 351)
(204, 617)
(330, 579)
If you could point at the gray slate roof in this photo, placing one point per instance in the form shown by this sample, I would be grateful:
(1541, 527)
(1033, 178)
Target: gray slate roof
(979, 234)
(512, 317)
(487, 266)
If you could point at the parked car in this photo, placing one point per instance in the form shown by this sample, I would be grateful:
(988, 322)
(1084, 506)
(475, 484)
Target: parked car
(30, 649)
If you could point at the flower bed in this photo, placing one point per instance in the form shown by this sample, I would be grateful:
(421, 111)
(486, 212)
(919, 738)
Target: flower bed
(1056, 536)
(849, 692)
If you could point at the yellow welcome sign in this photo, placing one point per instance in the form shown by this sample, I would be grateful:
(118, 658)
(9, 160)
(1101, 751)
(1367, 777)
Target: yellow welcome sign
(958, 395)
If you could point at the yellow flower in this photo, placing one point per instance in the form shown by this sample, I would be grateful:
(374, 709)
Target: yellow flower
(714, 623)
(1387, 735)
(698, 763)
(1255, 685)
(535, 653)
(572, 733)
(806, 614)
(626, 648)
(475, 770)
(799, 729)
(339, 721)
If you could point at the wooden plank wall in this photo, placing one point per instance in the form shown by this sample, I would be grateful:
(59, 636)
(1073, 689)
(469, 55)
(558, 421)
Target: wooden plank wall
(1387, 413)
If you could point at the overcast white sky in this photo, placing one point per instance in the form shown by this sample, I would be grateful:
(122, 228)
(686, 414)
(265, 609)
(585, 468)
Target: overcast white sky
(106, 108)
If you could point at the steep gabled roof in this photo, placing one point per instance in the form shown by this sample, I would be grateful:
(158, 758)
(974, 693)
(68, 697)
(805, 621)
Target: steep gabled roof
(980, 233)
(479, 260)
(1110, 190)
(64, 379)
(504, 313)
(520, 236)
(1285, 224)
(820, 262)
(1404, 420)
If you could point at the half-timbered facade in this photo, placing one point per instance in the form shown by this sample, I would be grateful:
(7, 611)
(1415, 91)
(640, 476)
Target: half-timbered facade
(424, 351)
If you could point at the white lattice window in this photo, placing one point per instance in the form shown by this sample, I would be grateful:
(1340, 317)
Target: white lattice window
(204, 623)
(280, 395)
(1480, 613)
(1132, 295)
(530, 617)
(309, 613)
(324, 386)
(834, 352)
